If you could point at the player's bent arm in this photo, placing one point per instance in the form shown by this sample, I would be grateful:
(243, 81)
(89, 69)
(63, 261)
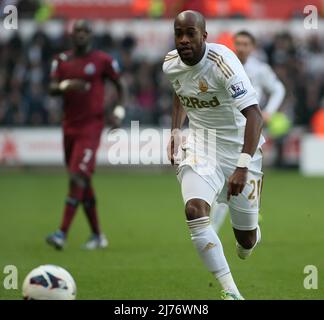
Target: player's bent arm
(54, 88)
(120, 90)
(277, 95)
(178, 118)
(253, 128)
(57, 88)
(178, 114)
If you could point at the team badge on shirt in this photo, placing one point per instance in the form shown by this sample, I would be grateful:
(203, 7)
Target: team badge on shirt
(237, 90)
(90, 69)
(203, 85)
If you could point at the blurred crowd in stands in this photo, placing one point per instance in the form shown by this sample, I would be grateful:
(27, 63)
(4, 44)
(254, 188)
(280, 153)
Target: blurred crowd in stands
(25, 68)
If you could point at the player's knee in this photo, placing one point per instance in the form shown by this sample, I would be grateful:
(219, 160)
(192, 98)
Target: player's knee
(246, 239)
(196, 208)
(79, 180)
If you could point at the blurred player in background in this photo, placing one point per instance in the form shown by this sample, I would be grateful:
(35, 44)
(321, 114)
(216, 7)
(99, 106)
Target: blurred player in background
(270, 92)
(213, 90)
(79, 76)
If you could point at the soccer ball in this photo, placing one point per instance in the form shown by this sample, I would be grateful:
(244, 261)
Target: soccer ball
(49, 282)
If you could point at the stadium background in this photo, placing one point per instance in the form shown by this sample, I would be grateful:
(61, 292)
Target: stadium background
(147, 238)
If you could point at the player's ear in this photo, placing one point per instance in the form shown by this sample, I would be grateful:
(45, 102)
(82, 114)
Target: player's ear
(205, 35)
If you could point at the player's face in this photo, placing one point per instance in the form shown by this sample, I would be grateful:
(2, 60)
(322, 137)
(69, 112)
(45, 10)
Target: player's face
(81, 35)
(189, 41)
(243, 47)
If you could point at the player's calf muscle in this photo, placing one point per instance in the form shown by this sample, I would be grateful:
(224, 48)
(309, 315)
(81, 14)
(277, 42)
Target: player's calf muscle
(246, 239)
(196, 208)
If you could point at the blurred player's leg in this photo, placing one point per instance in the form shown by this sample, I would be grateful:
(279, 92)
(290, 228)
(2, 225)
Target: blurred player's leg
(218, 213)
(90, 209)
(198, 195)
(76, 192)
(97, 240)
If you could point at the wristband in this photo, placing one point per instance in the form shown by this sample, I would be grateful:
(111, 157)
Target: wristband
(64, 84)
(244, 160)
(119, 112)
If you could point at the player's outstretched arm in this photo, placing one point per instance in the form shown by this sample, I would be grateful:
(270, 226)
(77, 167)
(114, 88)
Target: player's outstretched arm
(178, 118)
(253, 128)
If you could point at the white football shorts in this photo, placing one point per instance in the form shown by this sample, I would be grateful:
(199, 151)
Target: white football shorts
(210, 185)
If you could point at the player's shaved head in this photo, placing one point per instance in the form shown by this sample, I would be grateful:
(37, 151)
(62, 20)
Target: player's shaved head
(190, 36)
(81, 36)
(82, 24)
(191, 17)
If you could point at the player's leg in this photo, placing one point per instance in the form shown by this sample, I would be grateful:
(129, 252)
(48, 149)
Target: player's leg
(198, 195)
(90, 209)
(86, 165)
(218, 213)
(244, 210)
(57, 239)
(246, 230)
(77, 186)
(97, 239)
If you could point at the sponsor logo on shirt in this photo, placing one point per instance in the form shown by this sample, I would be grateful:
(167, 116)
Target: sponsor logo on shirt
(193, 102)
(237, 90)
(90, 69)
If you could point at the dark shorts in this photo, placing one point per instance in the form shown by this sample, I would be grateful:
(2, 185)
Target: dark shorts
(80, 153)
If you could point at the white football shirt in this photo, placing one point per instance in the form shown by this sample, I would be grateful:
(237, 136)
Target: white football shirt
(214, 92)
(265, 83)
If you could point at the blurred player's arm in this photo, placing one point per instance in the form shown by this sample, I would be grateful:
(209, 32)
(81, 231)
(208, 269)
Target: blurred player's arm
(117, 114)
(178, 118)
(59, 86)
(119, 89)
(111, 72)
(276, 90)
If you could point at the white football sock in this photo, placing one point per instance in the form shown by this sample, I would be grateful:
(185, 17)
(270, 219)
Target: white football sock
(217, 215)
(228, 284)
(210, 250)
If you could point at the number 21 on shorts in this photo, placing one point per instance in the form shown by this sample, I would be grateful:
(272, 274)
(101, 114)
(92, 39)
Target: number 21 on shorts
(256, 189)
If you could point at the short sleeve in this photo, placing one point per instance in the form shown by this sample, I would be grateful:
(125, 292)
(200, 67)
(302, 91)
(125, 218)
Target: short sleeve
(239, 89)
(111, 68)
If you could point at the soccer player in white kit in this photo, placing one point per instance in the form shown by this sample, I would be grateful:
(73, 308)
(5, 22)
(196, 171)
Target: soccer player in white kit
(270, 92)
(213, 90)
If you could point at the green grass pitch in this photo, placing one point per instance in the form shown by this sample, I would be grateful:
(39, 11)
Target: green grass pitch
(150, 254)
